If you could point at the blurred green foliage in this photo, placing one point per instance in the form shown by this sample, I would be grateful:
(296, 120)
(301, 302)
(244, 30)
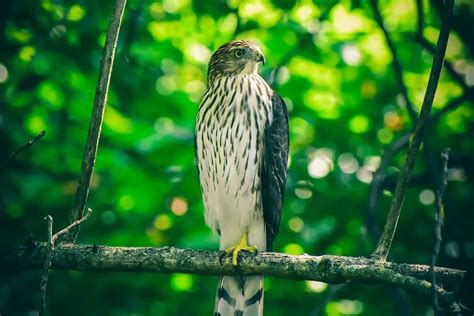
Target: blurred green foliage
(334, 70)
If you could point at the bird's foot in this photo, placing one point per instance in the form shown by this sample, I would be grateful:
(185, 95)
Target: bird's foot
(242, 245)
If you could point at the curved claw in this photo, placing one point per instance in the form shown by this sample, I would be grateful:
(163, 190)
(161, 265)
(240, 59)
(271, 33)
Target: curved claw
(241, 246)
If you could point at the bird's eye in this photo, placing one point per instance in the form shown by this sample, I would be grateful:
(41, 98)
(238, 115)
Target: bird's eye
(238, 53)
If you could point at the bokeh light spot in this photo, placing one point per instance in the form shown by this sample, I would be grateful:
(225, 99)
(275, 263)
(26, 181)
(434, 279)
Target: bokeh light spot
(316, 286)
(350, 307)
(166, 85)
(384, 135)
(163, 222)
(392, 120)
(181, 282)
(427, 197)
(348, 163)
(109, 217)
(321, 162)
(50, 92)
(359, 124)
(173, 6)
(18, 35)
(319, 167)
(470, 75)
(3, 73)
(36, 124)
(126, 203)
(303, 193)
(27, 53)
(164, 125)
(197, 52)
(296, 224)
(293, 249)
(179, 206)
(351, 55)
(372, 163)
(76, 13)
(364, 175)
(303, 190)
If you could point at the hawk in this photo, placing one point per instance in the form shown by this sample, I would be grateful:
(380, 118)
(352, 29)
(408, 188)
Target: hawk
(241, 151)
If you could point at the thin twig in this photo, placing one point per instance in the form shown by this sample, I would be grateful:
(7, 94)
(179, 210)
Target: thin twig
(370, 223)
(46, 265)
(440, 214)
(397, 67)
(30, 143)
(51, 239)
(378, 178)
(386, 239)
(72, 225)
(90, 152)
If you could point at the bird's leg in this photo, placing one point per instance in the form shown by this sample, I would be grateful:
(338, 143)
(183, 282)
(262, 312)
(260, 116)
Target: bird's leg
(242, 245)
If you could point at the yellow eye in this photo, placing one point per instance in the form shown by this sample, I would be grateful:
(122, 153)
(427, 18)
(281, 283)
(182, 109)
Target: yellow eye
(239, 53)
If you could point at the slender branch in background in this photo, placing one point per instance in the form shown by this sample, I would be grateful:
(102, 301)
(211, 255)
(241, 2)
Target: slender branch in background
(394, 148)
(397, 67)
(46, 265)
(372, 229)
(386, 239)
(440, 179)
(440, 214)
(376, 184)
(95, 125)
(30, 143)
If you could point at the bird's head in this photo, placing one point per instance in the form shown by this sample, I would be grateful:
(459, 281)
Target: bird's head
(235, 58)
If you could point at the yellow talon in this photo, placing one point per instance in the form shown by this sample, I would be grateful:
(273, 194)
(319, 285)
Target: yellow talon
(242, 245)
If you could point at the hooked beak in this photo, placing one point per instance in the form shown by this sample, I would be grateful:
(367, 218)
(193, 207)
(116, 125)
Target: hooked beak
(261, 59)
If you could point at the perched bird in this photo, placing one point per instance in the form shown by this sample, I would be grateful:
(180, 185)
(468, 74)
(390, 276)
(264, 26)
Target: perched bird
(241, 150)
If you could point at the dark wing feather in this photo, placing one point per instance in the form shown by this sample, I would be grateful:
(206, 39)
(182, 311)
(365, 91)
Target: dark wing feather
(274, 168)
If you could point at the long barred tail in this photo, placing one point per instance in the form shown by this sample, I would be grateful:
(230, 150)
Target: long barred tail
(239, 296)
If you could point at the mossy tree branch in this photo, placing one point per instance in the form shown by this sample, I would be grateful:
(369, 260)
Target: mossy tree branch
(331, 269)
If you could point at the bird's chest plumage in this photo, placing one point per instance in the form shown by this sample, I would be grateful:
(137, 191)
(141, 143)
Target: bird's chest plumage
(229, 138)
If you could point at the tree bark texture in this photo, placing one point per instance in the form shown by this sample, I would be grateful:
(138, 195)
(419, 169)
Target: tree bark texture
(326, 268)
